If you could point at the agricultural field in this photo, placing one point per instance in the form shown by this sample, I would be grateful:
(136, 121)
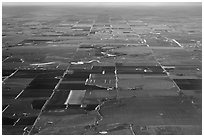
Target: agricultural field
(109, 69)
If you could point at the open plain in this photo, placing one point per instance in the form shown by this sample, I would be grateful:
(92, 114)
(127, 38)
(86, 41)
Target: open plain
(94, 69)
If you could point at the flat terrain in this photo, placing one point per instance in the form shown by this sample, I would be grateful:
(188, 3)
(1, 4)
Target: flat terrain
(94, 70)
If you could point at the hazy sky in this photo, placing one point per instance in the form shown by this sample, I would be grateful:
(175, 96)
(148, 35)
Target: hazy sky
(105, 3)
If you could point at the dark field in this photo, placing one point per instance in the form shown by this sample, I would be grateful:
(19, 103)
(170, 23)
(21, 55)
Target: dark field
(95, 69)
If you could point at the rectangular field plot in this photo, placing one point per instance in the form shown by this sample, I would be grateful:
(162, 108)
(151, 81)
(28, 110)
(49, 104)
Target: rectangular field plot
(161, 42)
(36, 93)
(75, 97)
(150, 111)
(43, 84)
(13, 60)
(175, 57)
(105, 69)
(133, 50)
(7, 72)
(78, 86)
(102, 80)
(140, 70)
(146, 93)
(100, 94)
(65, 121)
(20, 108)
(26, 121)
(137, 60)
(184, 72)
(189, 84)
(167, 130)
(76, 76)
(13, 86)
(146, 83)
(28, 73)
(39, 73)
(56, 103)
(13, 130)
